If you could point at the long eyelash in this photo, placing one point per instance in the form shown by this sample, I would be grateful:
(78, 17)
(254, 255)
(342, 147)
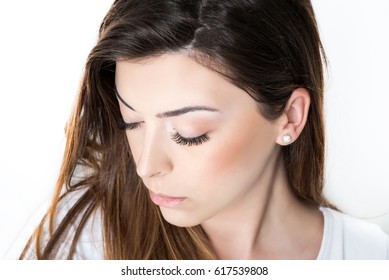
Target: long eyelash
(176, 137)
(190, 141)
(123, 125)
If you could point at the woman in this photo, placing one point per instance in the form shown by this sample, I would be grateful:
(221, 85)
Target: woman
(198, 134)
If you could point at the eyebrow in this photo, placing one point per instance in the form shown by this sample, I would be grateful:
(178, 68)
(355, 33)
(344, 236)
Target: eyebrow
(185, 110)
(172, 113)
(122, 100)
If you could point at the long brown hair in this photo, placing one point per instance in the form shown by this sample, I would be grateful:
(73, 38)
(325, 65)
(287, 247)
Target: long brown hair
(269, 48)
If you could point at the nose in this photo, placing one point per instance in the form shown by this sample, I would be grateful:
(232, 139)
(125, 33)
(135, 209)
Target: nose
(153, 159)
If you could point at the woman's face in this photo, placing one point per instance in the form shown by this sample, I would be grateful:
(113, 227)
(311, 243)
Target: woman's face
(199, 142)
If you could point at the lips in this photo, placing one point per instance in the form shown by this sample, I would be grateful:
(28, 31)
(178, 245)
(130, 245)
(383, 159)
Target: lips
(166, 201)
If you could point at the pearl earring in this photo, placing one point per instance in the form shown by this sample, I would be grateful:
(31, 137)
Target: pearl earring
(287, 138)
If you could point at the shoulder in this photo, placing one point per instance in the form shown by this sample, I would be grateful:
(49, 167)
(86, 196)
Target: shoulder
(90, 242)
(346, 237)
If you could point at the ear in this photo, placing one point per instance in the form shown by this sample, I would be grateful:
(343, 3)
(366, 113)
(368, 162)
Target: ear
(295, 115)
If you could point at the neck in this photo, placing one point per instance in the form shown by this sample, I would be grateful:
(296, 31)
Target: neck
(266, 223)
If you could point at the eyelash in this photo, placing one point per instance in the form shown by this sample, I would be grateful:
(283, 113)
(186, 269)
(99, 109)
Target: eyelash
(124, 126)
(190, 141)
(176, 137)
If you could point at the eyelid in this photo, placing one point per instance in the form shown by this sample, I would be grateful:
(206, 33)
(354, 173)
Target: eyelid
(194, 141)
(175, 136)
(124, 126)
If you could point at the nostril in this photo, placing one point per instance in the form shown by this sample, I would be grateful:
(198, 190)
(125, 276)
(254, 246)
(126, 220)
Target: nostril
(156, 174)
(146, 171)
(152, 160)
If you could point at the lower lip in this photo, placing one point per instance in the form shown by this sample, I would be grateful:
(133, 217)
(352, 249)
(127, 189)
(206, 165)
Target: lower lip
(166, 201)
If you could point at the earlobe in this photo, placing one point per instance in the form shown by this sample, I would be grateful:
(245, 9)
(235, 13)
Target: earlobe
(295, 116)
(287, 138)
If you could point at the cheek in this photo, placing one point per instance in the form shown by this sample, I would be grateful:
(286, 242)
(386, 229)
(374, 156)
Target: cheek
(239, 151)
(134, 143)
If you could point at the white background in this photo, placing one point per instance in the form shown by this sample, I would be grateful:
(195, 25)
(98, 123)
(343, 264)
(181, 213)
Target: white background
(43, 49)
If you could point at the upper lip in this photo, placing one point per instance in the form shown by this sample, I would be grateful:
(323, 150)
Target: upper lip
(165, 195)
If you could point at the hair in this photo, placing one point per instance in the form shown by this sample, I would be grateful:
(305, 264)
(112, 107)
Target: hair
(268, 48)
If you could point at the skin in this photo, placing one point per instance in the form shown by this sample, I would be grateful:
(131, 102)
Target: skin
(233, 184)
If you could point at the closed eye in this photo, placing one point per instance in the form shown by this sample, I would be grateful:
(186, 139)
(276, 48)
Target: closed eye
(176, 137)
(124, 126)
(195, 141)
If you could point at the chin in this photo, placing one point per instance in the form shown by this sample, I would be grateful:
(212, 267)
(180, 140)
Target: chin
(179, 219)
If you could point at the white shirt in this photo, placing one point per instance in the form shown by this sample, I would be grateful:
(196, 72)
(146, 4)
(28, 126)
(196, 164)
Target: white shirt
(348, 238)
(344, 237)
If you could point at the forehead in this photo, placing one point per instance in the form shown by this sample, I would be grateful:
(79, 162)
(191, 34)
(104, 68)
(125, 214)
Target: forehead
(172, 80)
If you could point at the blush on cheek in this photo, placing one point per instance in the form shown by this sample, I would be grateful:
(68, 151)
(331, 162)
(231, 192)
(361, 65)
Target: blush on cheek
(226, 157)
(240, 151)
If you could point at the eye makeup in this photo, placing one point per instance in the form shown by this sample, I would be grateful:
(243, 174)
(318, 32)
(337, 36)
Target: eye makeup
(195, 141)
(124, 126)
(175, 136)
